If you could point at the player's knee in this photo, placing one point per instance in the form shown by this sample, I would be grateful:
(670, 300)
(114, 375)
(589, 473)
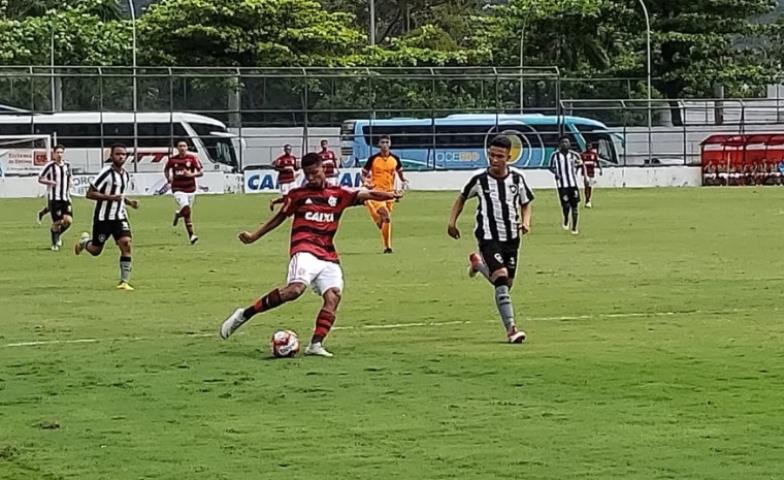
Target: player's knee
(66, 221)
(292, 291)
(185, 211)
(332, 298)
(501, 281)
(125, 245)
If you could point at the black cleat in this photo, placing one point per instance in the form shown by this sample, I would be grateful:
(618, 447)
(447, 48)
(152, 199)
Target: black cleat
(176, 219)
(387, 250)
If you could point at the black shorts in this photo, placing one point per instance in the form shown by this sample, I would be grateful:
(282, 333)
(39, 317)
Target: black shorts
(102, 230)
(569, 196)
(500, 255)
(59, 209)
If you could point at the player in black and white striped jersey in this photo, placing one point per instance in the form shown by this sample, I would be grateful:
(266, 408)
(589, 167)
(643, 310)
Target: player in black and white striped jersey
(563, 164)
(110, 217)
(503, 215)
(57, 177)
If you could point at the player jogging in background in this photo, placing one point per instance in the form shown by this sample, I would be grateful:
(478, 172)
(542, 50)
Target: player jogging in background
(110, 218)
(316, 208)
(563, 164)
(286, 166)
(330, 162)
(181, 171)
(590, 164)
(379, 174)
(57, 176)
(503, 216)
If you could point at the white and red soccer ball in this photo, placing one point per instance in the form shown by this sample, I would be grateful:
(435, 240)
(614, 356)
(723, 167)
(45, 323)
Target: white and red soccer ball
(284, 343)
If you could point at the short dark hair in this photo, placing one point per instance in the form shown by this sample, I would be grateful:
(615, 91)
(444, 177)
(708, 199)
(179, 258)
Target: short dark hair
(115, 146)
(324, 140)
(179, 141)
(565, 137)
(384, 137)
(501, 141)
(310, 159)
(59, 146)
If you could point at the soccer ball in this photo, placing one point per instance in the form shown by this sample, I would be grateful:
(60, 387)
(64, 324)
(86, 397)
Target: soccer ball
(284, 343)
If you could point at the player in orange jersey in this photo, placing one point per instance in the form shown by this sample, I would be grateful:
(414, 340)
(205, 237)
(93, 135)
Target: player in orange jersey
(379, 174)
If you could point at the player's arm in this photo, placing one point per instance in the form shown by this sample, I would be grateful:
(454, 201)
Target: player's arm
(525, 214)
(270, 225)
(365, 174)
(457, 209)
(377, 196)
(44, 177)
(552, 168)
(198, 170)
(168, 171)
(399, 170)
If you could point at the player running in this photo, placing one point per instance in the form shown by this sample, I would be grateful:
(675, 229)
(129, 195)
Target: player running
(181, 171)
(589, 165)
(503, 216)
(110, 218)
(563, 165)
(317, 208)
(57, 177)
(330, 162)
(286, 166)
(379, 174)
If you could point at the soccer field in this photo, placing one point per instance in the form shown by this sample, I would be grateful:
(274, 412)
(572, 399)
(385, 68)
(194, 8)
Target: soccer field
(654, 351)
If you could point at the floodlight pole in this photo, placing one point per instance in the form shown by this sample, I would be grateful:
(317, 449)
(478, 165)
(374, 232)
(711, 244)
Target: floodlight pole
(135, 105)
(522, 80)
(372, 9)
(648, 54)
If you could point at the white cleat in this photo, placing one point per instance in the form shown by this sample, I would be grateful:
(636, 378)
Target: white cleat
(82, 243)
(59, 243)
(232, 323)
(517, 337)
(565, 226)
(317, 349)
(575, 232)
(55, 248)
(194, 239)
(475, 263)
(588, 205)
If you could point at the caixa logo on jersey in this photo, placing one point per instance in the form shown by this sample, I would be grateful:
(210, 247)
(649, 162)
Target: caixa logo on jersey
(260, 181)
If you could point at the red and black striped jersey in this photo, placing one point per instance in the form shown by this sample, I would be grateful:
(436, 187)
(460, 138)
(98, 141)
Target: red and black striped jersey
(286, 166)
(178, 165)
(317, 214)
(329, 161)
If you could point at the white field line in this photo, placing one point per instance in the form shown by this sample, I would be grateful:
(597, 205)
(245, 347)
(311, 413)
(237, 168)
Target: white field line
(386, 327)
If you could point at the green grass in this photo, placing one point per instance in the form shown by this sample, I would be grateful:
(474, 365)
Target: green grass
(655, 349)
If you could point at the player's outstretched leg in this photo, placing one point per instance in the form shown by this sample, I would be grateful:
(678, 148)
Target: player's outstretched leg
(575, 207)
(124, 244)
(477, 265)
(269, 301)
(86, 244)
(41, 214)
(324, 322)
(503, 301)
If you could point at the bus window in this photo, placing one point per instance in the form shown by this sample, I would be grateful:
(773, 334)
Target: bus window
(219, 148)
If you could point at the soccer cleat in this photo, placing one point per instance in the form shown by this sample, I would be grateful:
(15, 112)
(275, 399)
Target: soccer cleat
(317, 349)
(176, 219)
(39, 217)
(231, 324)
(565, 226)
(194, 239)
(588, 205)
(124, 286)
(59, 243)
(575, 232)
(82, 243)
(476, 262)
(516, 336)
(387, 250)
(55, 248)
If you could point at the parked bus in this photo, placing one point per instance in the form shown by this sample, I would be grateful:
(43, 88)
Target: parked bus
(459, 141)
(87, 136)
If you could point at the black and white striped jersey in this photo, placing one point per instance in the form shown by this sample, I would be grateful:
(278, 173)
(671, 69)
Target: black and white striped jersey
(497, 214)
(564, 166)
(60, 173)
(111, 182)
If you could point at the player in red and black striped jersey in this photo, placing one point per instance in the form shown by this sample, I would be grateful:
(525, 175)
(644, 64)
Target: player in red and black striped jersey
(589, 161)
(330, 162)
(316, 208)
(181, 171)
(286, 166)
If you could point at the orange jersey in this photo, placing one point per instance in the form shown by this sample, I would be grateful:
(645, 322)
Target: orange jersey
(383, 170)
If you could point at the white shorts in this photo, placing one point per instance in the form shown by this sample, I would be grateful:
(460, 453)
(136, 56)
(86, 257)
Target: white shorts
(590, 181)
(184, 199)
(317, 274)
(285, 188)
(333, 181)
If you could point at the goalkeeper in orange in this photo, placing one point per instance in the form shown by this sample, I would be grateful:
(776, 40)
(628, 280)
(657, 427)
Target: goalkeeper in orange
(379, 174)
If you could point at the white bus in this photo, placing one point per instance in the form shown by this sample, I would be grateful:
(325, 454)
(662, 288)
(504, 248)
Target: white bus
(87, 137)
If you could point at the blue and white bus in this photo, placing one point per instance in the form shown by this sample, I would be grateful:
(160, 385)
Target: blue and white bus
(459, 141)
